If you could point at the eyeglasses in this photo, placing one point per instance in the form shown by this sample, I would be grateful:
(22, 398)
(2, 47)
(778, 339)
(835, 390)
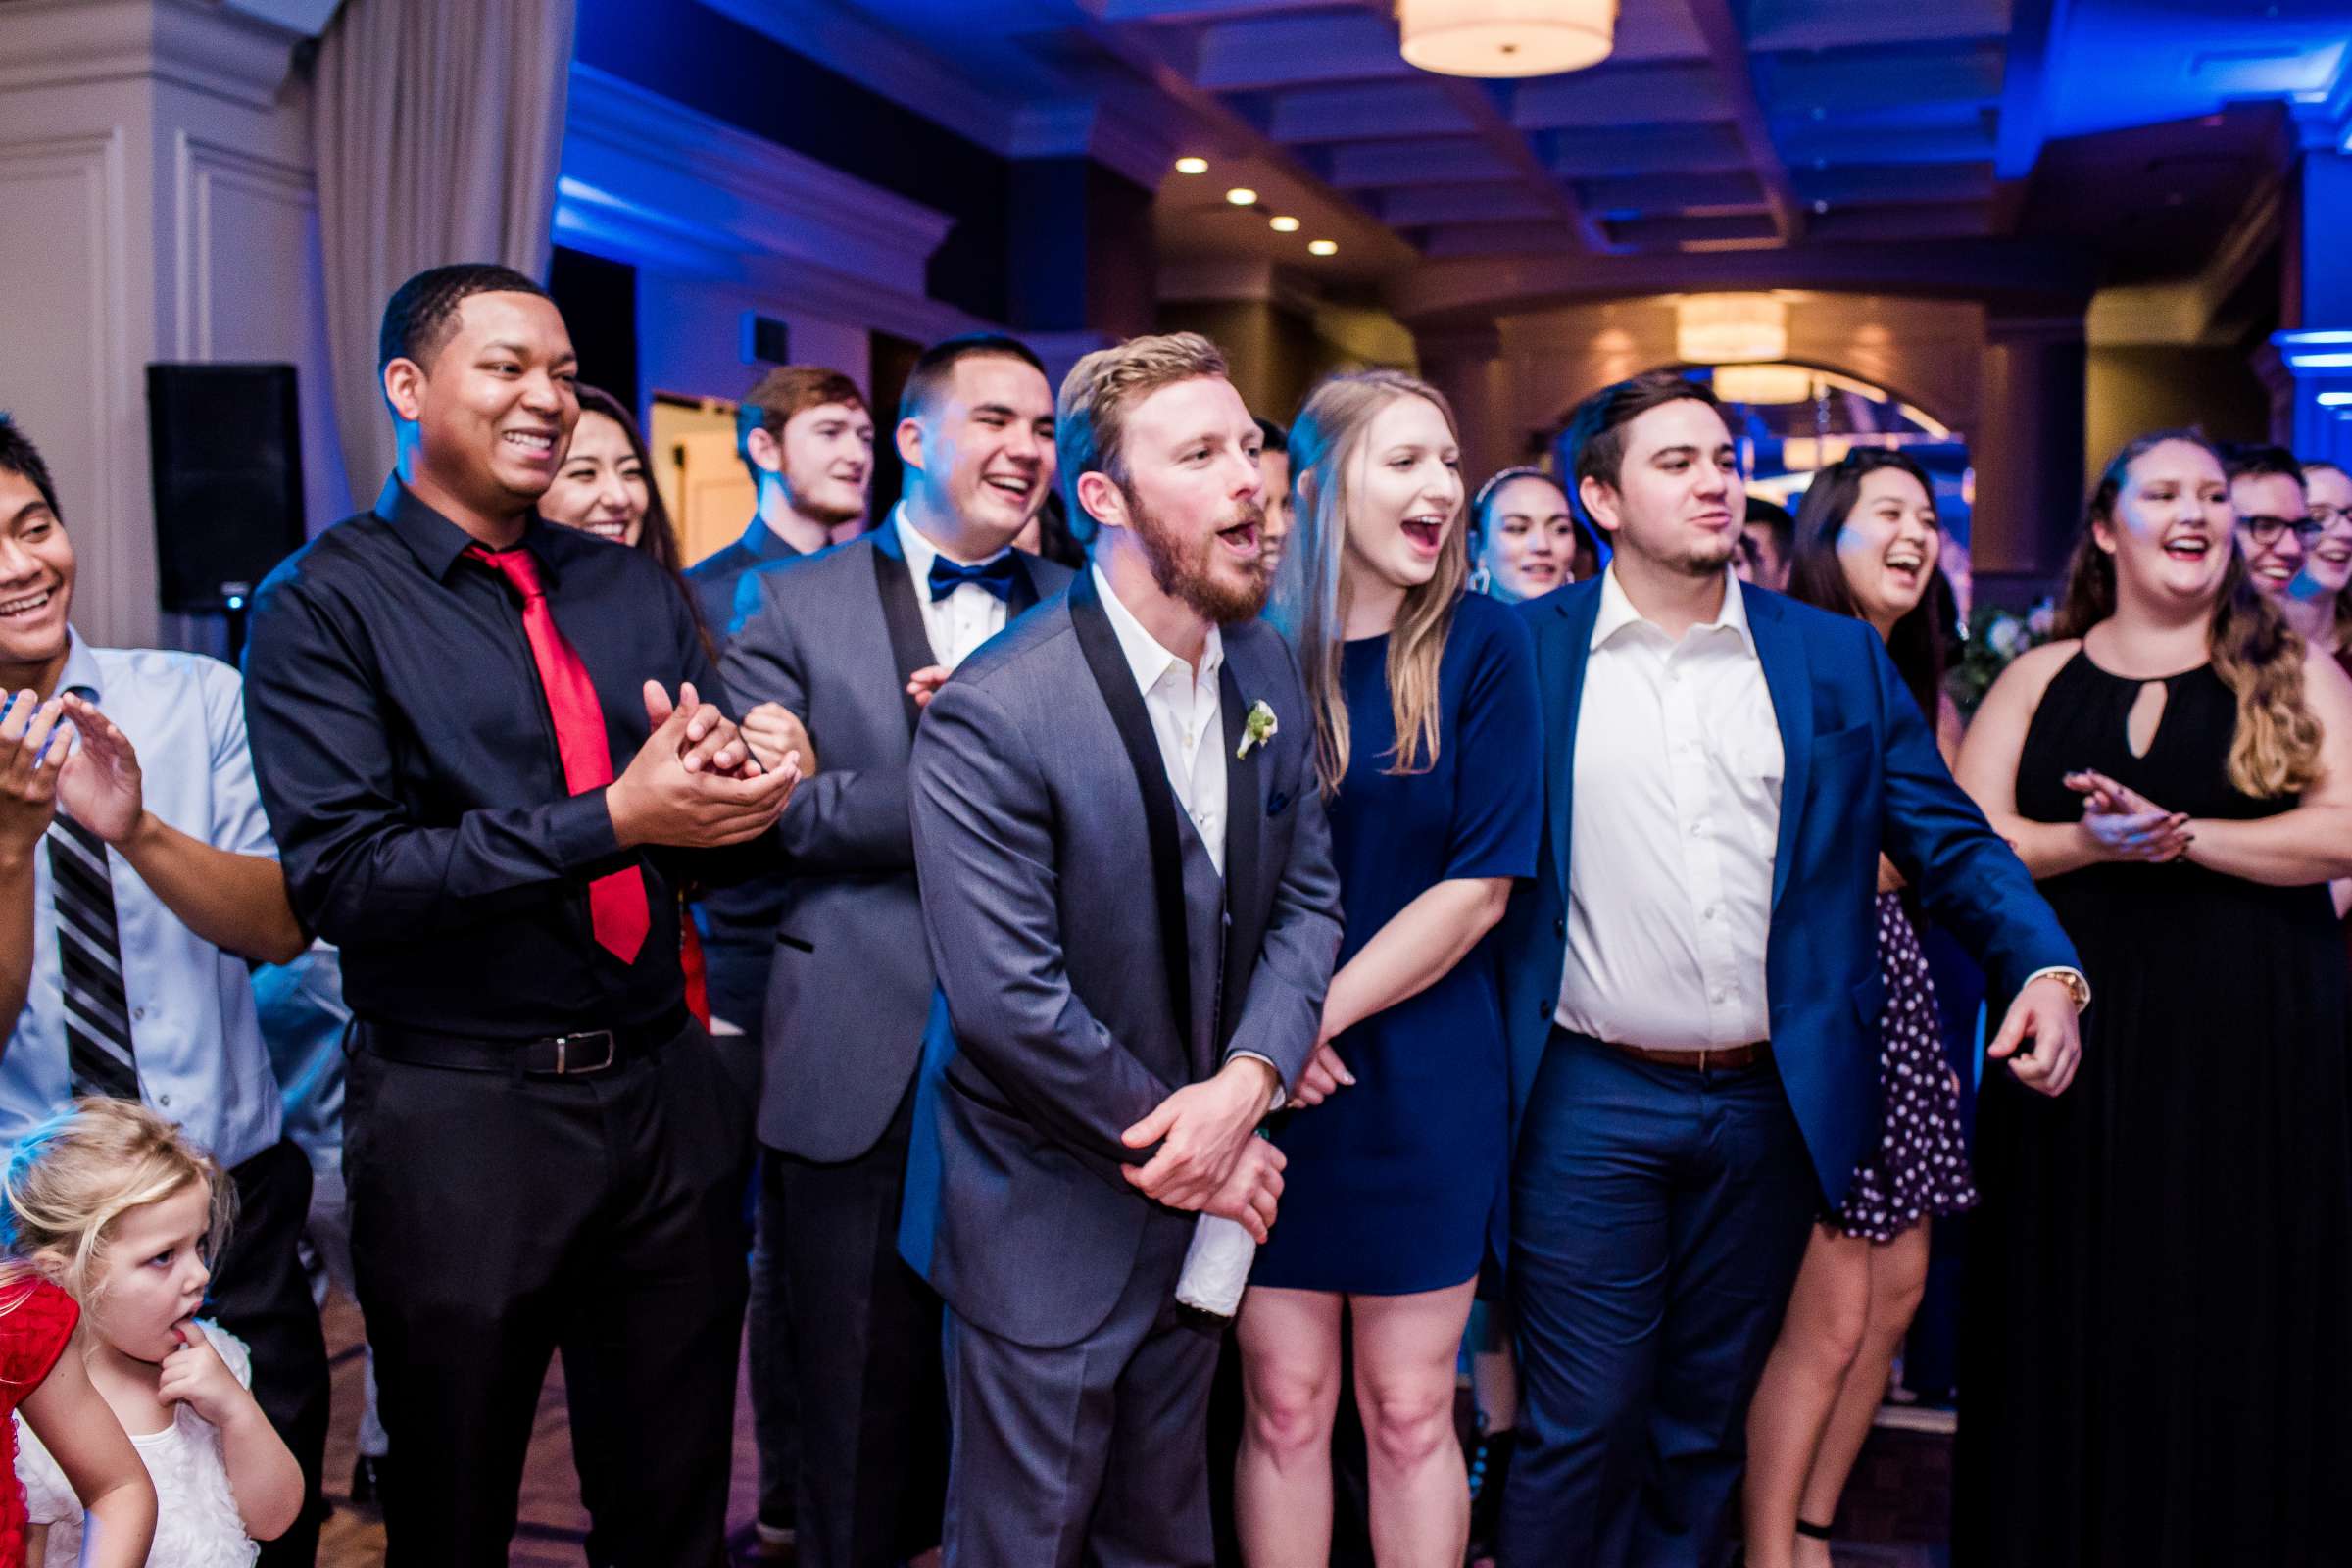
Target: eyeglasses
(2266, 530)
(2327, 517)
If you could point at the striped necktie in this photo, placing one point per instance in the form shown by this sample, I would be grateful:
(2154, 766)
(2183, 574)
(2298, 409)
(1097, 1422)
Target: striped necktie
(98, 1053)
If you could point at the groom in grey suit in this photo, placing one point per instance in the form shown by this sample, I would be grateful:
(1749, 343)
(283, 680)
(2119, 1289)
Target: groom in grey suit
(1126, 876)
(848, 643)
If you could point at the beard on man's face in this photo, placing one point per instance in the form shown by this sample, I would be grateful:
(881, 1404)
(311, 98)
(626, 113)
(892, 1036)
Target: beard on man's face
(1187, 571)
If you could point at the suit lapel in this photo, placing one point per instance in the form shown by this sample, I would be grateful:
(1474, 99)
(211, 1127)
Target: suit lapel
(902, 615)
(1566, 652)
(1117, 682)
(1780, 649)
(1245, 895)
(1024, 595)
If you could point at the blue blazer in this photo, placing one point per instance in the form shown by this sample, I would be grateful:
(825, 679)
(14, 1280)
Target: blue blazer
(1862, 775)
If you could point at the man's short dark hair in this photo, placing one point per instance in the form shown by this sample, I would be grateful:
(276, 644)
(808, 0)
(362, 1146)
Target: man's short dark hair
(1774, 518)
(1595, 434)
(2242, 460)
(1274, 436)
(422, 315)
(20, 456)
(937, 364)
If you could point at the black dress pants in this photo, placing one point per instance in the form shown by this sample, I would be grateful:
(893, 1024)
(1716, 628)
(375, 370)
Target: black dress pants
(261, 1295)
(497, 1219)
(866, 1348)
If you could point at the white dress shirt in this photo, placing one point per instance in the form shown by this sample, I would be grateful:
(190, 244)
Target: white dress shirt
(966, 618)
(1186, 715)
(1678, 772)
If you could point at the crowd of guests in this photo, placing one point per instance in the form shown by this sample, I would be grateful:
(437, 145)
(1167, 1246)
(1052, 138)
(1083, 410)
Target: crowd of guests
(1513, 926)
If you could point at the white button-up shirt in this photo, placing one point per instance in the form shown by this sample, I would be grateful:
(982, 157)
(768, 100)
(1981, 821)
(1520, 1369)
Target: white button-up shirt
(962, 620)
(1187, 716)
(1677, 819)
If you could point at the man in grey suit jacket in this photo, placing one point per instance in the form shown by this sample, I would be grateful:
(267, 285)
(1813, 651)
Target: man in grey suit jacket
(847, 644)
(1127, 881)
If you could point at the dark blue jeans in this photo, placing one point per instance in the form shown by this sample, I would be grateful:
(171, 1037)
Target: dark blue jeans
(1658, 1217)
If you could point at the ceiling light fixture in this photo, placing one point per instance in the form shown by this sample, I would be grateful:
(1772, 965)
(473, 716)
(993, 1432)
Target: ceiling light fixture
(1322, 247)
(1506, 37)
(1242, 196)
(1191, 166)
(1284, 225)
(1764, 386)
(1730, 328)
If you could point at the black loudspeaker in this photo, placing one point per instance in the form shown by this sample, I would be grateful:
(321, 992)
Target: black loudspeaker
(227, 443)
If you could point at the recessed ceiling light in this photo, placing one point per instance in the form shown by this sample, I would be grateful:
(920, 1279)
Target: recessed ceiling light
(1242, 196)
(1191, 166)
(1284, 225)
(1322, 247)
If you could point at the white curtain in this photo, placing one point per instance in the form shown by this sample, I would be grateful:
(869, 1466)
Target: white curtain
(438, 127)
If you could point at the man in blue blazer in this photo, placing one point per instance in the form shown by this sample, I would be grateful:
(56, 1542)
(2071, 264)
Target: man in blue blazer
(1691, 982)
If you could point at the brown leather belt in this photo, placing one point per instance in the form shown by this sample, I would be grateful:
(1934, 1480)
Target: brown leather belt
(1718, 1058)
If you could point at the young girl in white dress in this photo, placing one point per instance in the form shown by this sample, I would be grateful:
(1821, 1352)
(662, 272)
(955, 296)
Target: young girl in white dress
(114, 1204)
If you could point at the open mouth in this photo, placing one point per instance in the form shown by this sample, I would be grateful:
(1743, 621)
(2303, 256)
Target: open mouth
(1539, 571)
(1907, 566)
(25, 604)
(1012, 487)
(537, 446)
(615, 531)
(2333, 554)
(2188, 548)
(1246, 538)
(1425, 534)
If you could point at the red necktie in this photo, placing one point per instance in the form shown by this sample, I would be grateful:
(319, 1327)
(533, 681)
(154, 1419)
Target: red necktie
(617, 904)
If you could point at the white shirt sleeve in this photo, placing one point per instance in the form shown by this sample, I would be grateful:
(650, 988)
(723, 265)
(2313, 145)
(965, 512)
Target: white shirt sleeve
(48, 1497)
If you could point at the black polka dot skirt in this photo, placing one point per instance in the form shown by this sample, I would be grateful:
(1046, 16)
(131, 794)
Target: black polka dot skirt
(1920, 1165)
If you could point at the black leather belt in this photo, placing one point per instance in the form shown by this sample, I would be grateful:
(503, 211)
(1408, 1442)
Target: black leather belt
(573, 1056)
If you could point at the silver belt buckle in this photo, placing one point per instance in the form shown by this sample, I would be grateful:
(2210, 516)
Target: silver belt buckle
(567, 1043)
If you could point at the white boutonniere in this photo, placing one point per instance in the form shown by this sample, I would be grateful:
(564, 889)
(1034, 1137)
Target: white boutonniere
(1258, 728)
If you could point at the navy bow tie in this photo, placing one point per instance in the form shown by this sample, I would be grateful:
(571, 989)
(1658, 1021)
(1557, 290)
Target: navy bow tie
(994, 575)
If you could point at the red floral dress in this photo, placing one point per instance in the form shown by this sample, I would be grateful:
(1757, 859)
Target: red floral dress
(36, 1320)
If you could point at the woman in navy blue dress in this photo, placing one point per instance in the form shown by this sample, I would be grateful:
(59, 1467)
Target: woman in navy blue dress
(1429, 742)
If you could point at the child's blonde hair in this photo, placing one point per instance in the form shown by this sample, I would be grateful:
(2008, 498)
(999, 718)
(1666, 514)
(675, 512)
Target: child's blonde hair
(75, 1174)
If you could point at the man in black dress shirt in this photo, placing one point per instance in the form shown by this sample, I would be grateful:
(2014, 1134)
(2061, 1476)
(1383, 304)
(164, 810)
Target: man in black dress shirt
(544, 1153)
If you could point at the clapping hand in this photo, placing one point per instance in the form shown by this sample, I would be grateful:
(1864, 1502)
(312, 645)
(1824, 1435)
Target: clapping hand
(2126, 824)
(694, 793)
(711, 741)
(31, 755)
(99, 785)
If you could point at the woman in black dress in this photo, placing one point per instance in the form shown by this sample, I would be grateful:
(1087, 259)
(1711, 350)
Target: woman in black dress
(1866, 543)
(2155, 1366)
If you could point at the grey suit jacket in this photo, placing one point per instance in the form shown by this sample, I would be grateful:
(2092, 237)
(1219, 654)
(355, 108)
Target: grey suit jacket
(833, 637)
(1052, 890)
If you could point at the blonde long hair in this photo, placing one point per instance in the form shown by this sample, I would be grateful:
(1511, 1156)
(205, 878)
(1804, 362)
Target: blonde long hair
(77, 1173)
(2275, 748)
(1310, 595)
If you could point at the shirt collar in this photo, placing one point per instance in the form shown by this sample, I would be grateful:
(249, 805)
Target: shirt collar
(917, 547)
(764, 543)
(436, 542)
(1617, 611)
(81, 673)
(1147, 659)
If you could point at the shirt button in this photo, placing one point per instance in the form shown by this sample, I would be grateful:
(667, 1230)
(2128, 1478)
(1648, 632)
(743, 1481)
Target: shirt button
(137, 1013)
(1698, 828)
(1707, 914)
(163, 1100)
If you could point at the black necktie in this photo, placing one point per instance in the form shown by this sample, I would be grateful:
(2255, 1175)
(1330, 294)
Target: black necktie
(995, 575)
(98, 1051)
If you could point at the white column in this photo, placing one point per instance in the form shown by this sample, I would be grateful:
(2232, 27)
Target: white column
(156, 203)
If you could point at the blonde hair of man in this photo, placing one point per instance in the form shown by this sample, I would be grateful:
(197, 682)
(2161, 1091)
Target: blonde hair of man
(1090, 416)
